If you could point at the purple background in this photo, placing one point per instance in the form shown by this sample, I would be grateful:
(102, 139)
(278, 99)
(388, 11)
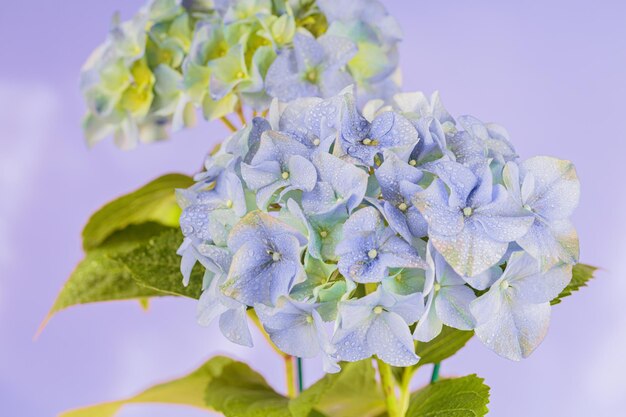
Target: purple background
(552, 72)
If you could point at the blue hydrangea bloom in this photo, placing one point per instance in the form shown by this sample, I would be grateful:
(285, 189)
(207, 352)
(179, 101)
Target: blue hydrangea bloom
(378, 324)
(266, 260)
(376, 33)
(433, 123)
(297, 328)
(513, 316)
(213, 304)
(399, 183)
(363, 140)
(312, 121)
(313, 68)
(549, 189)
(473, 223)
(296, 212)
(324, 231)
(209, 215)
(448, 299)
(494, 138)
(369, 248)
(340, 187)
(279, 163)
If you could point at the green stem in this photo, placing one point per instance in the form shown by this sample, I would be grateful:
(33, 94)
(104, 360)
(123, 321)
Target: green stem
(228, 124)
(389, 388)
(290, 376)
(405, 388)
(435, 376)
(300, 375)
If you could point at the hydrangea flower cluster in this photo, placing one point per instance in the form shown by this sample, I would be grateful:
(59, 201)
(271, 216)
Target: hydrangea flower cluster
(351, 234)
(175, 56)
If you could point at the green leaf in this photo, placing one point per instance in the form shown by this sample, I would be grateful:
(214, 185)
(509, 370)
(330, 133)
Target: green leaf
(349, 393)
(154, 202)
(241, 392)
(581, 274)
(458, 397)
(446, 344)
(100, 277)
(155, 265)
(188, 390)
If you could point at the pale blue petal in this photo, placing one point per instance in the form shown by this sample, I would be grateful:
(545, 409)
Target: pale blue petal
(284, 80)
(530, 284)
(234, 325)
(391, 173)
(351, 343)
(390, 339)
(471, 251)
(509, 329)
(395, 252)
(468, 151)
(309, 53)
(209, 306)
(429, 325)
(551, 243)
(503, 219)
(338, 50)
(485, 279)
(302, 173)
(409, 307)
(433, 205)
(332, 81)
(340, 184)
(397, 220)
(556, 187)
(261, 175)
(460, 179)
(452, 306)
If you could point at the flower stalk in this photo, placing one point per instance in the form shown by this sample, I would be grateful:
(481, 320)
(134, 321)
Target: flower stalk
(435, 375)
(405, 389)
(228, 124)
(290, 378)
(389, 389)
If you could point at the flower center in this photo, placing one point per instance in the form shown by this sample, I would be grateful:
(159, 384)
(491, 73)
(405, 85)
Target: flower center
(285, 175)
(437, 286)
(316, 141)
(369, 142)
(372, 253)
(402, 206)
(311, 75)
(229, 203)
(323, 233)
(275, 256)
(240, 75)
(505, 284)
(527, 207)
(378, 310)
(412, 162)
(309, 319)
(467, 211)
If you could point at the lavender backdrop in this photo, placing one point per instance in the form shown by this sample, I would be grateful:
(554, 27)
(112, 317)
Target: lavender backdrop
(552, 72)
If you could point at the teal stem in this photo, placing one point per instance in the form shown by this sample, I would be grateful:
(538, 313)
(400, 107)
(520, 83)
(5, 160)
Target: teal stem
(300, 375)
(435, 376)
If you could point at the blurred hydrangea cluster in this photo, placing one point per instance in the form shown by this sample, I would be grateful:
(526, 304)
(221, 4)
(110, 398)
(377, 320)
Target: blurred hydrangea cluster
(354, 233)
(175, 56)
